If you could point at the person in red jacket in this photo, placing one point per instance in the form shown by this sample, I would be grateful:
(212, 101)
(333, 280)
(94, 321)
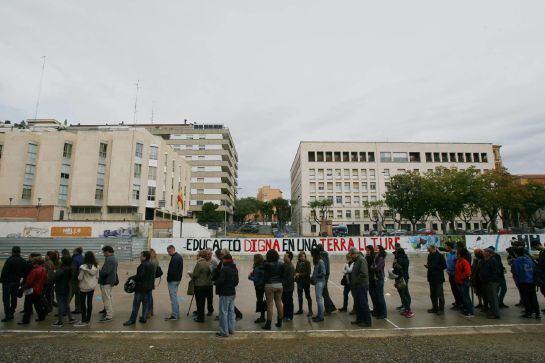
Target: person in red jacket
(35, 280)
(462, 273)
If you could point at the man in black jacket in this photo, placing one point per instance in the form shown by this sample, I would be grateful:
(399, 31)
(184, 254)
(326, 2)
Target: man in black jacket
(490, 274)
(436, 265)
(288, 284)
(13, 271)
(174, 277)
(144, 279)
(226, 283)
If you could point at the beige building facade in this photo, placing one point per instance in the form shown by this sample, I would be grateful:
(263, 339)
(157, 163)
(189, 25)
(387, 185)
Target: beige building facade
(266, 193)
(96, 173)
(352, 173)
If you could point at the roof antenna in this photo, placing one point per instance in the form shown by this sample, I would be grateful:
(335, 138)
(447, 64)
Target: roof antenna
(136, 101)
(39, 88)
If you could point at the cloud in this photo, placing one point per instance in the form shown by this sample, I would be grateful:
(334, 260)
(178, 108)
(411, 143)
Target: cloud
(280, 72)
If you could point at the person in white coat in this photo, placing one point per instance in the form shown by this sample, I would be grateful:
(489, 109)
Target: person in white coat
(347, 270)
(87, 282)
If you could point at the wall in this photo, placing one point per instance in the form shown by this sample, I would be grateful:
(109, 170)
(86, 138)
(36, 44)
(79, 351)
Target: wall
(74, 229)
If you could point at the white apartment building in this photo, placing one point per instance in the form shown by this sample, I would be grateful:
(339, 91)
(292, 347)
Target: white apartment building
(352, 173)
(90, 173)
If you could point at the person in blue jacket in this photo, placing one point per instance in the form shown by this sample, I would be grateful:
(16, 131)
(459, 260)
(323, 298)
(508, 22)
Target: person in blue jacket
(451, 267)
(523, 269)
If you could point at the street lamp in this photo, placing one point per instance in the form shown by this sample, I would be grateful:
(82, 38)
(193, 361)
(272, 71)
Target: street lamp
(10, 200)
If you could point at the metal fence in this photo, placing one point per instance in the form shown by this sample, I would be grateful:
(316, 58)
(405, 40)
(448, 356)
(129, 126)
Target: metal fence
(125, 248)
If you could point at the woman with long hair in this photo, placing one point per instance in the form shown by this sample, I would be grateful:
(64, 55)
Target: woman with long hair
(318, 279)
(476, 283)
(88, 280)
(379, 263)
(345, 281)
(51, 265)
(201, 282)
(155, 262)
(303, 270)
(63, 275)
(258, 277)
(274, 272)
(462, 276)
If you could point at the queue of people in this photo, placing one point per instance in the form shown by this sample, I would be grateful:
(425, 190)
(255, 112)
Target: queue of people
(57, 279)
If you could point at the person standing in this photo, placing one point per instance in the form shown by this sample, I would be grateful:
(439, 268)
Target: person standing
(144, 281)
(475, 279)
(503, 282)
(436, 265)
(274, 272)
(63, 275)
(370, 259)
(451, 269)
(226, 284)
(33, 286)
(258, 277)
(157, 273)
(401, 270)
(328, 303)
(201, 280)
(107, 279)
(210, 293)
(318, 279)
(77, 260)
(288, 285)
(359, 285)
(302, 277)
(88, 281)
(462, 274)
(174, 277)
(490, 275)
(13, 271)
(345, 281)
(379, 263)
(523, 269)
(51, 265)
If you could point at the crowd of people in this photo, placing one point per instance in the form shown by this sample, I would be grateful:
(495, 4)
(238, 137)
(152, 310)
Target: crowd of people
(55, 280)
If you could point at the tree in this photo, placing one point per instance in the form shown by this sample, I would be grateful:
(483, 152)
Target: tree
(245, 207)
(282, 211)
(319, 210)
(266, 210)
(209, 214)
(408, 194)
(376, 212)
(533, 202)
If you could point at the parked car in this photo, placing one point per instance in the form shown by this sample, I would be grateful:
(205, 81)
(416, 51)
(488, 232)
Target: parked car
(249, 229)
(340, 231)
(426, 232)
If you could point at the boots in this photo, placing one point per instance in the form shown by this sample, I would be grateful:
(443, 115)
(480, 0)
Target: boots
(267, 325)
(309, 309)
(278, 323)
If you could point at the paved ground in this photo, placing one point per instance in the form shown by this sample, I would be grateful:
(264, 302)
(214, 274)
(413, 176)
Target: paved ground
(395, 339)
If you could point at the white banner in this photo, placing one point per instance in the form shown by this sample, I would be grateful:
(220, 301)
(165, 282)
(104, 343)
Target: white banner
(335, 245)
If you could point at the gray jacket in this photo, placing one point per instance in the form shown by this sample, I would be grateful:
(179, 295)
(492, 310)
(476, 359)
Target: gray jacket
(108, 272)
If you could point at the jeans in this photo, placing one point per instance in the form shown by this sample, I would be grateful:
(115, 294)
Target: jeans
(466, 298)
(529, 299)
(140, 298)
(304, 287)
(9, 297)
(328, 303)
(106, 291)
(63, 307)
(76, 294)
(359, 293)
(437, 296)
(274, 297)
(86, 306)
(227, 315)
(503, 290)
(455, 290)
(287, 301)
(319, 287)
(380, 309)
(38, 303)
(346, 293)
(173, 294)
(491, 293)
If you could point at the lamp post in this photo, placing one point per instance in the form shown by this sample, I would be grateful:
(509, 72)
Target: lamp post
(10, 200)
(38, 217)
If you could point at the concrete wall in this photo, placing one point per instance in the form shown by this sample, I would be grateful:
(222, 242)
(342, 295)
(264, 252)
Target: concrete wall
(98, 229)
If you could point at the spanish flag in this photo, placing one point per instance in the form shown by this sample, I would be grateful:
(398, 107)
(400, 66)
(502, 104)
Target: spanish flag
(180, 200)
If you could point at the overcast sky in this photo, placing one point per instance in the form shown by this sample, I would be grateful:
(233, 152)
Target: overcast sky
(278, 72)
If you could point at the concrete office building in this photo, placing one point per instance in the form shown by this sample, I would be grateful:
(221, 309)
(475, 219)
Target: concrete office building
(351, 173)
(49, 172)
(210, 151)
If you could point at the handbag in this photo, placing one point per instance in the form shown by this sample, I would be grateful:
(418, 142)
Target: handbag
(400, 283)
(344, 282)
(191, 287)
(158, 272)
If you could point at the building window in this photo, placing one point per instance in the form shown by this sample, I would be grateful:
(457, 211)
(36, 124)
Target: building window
(468, 157)
(354, 156)
(371, 157)
(320, 156)
(311, 156)
(86, 210)
(476, 158)
(363, 173)
(436, 157)
(153, 152)
(414, 157)
(452, 157)
(151, 194)
(386, 173)
(444, 157)
(339, 214)
(122, 210)
(429, 158)
(347, 187)
(356, 200)
(354, 173)
(103, 150)
(152, 173)
(372, 173)
(321, 187)
(1, 149)
(348, 214)
(366, 213)
(357, 214)
(139, 150)
(136, 192)
(363, 156)
(329, 173)
(137, 170)
(356, 187)
(330, 187)
(460, 157)
(313, 228)
(338, 187)
(67, 150)
(328, 156)
(348, 200)
(400, 158)
(364, 187)
(373, 186)
(339, 200)
(337, 156)
(311, 173)
(27, 192)
(346, 156)
(99, 192)
(484, 157)
(385, 157)
(63, 192)
(321, 174)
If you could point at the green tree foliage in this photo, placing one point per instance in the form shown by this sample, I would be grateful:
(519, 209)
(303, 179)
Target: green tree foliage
(244, 207)
(319, 209)
(409, 195)
(282, 210)
(209, 214)
(533, 203)
(376, 212)
(266, 211)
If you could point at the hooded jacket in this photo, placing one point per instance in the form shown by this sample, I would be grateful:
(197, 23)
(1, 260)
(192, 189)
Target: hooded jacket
(523, 270)
(227, 279)
(462, 271)
(88, 278)
(36, 279)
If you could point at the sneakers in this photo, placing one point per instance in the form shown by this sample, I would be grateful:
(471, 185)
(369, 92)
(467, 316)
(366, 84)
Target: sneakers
(298, 312)
(129, 322)
(171, 318)
(58, 324)
(80, 324)
(408, 314)
(105, 320)
(467, 315)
